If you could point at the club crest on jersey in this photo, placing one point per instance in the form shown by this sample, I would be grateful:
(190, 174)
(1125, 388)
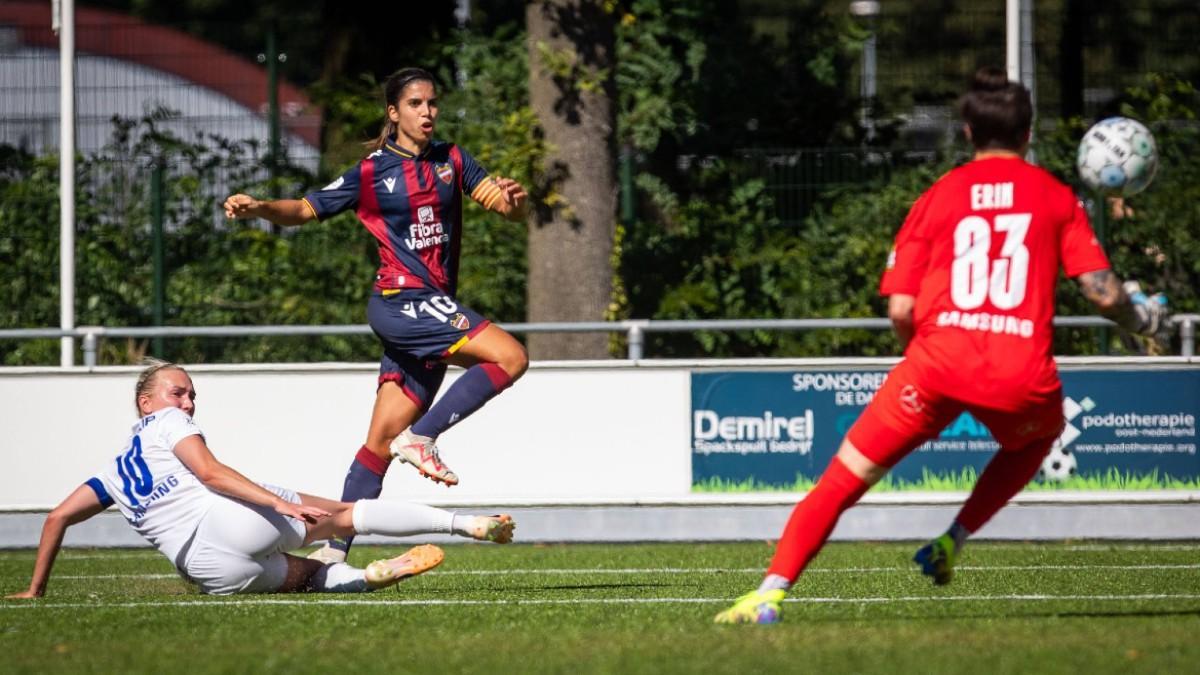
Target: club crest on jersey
(910, 400)
(460, 322)
(445, 172)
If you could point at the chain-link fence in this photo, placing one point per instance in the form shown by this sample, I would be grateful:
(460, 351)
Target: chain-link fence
(1086, 53)
(169, 123)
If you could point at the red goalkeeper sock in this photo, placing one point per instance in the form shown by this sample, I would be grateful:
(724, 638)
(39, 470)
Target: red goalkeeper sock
(1005, 475)
(813, 519)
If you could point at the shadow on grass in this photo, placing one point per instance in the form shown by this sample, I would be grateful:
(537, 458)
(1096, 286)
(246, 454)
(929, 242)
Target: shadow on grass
(1119, 615)
(958, 616)
(509, 590)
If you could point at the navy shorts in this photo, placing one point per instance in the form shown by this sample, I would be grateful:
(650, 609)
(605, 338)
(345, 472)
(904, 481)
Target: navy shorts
(419, 327)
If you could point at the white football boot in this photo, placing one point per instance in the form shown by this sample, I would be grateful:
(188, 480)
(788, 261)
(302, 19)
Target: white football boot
(421, 452)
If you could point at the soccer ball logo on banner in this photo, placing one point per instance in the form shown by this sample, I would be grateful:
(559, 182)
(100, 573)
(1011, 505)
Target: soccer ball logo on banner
(1060, 465)
(1117, 155)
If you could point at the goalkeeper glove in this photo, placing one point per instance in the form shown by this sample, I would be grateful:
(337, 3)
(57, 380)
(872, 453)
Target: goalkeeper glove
(1153, 319)
(1151, 310)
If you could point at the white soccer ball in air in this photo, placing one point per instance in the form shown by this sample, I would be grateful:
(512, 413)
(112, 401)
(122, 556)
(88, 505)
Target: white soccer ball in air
(1059, 465)
(1118, 155)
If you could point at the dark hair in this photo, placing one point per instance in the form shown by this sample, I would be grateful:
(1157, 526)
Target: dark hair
(392, 88)
(998, 112)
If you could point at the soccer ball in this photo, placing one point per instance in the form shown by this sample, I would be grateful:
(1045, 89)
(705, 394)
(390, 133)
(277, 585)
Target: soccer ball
(1059, 465)
(1117, 155)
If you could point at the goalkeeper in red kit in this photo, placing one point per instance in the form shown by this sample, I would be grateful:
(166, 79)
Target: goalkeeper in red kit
(970, 286)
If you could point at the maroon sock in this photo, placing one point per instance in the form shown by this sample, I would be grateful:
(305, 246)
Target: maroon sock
(468, 393)
(364, 480)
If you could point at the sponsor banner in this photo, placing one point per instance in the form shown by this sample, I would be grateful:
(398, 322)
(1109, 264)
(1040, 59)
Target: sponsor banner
(775, 428)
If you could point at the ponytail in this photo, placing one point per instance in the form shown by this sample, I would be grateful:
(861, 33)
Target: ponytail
(388, 131)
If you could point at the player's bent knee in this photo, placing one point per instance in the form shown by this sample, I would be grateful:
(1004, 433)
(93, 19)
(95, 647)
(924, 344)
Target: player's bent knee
(859, 464)
(1040, 447)
(516, 362)
(512, 356)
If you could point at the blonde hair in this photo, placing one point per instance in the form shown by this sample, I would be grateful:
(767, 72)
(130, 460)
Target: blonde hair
(147, 378)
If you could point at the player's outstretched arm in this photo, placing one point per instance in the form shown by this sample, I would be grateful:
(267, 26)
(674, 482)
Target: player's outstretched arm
(279, 211)
(218, 477)
(1105, 291)
(76, 508)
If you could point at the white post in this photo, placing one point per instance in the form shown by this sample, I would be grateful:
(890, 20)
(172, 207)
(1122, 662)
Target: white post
(1012, 34)
(65, 24)
(867, 11)
(1028, 61)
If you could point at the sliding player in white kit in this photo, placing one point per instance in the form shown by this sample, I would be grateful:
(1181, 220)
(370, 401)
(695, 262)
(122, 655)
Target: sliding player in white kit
(227, 534)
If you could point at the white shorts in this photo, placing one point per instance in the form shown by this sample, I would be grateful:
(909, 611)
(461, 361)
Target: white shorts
(239, 547)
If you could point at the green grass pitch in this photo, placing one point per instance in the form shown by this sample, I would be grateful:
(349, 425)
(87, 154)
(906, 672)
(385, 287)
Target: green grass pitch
(1090, 607)
(964, 480)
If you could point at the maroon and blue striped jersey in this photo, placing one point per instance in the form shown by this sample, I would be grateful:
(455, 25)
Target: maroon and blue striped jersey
(413, 207)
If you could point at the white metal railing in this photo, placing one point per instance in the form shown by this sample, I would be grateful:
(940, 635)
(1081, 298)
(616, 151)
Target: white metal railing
(635, 330)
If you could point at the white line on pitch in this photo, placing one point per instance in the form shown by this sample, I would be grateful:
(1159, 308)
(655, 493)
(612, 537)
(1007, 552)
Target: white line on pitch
(236, 602)
(817, 570)
(708, 570)
(116, 576)
(123, 555)
(149, 553)
(990, 545)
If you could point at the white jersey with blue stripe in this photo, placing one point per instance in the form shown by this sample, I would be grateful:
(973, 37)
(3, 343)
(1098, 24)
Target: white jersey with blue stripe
(159, 496)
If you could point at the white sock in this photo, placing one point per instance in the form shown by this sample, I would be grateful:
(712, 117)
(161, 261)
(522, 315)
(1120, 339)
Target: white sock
(399, 519)
(338, 578)
(465, 525)
(774, 582)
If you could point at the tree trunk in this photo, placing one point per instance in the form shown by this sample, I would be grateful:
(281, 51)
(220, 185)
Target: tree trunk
(571, 62)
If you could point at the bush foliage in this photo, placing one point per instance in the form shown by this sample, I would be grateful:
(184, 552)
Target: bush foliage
(705, 239)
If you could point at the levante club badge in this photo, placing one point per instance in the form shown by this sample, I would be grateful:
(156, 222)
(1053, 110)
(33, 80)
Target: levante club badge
(445, 172)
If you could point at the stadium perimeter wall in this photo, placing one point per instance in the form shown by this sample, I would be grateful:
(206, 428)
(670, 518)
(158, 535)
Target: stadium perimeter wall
(579, 451)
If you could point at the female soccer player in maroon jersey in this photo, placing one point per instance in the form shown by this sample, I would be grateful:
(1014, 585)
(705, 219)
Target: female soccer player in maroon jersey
(408, 193)
(970, 286)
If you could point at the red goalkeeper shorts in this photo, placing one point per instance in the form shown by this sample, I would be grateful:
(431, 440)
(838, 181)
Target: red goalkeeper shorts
(905, 413)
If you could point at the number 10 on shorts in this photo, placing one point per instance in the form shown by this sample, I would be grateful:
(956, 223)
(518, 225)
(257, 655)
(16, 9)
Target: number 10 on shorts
(439, 307)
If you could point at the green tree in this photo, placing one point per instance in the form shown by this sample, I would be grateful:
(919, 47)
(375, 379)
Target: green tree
(488, 113)
(1157, 239)
(695, 92)
(218, 273)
